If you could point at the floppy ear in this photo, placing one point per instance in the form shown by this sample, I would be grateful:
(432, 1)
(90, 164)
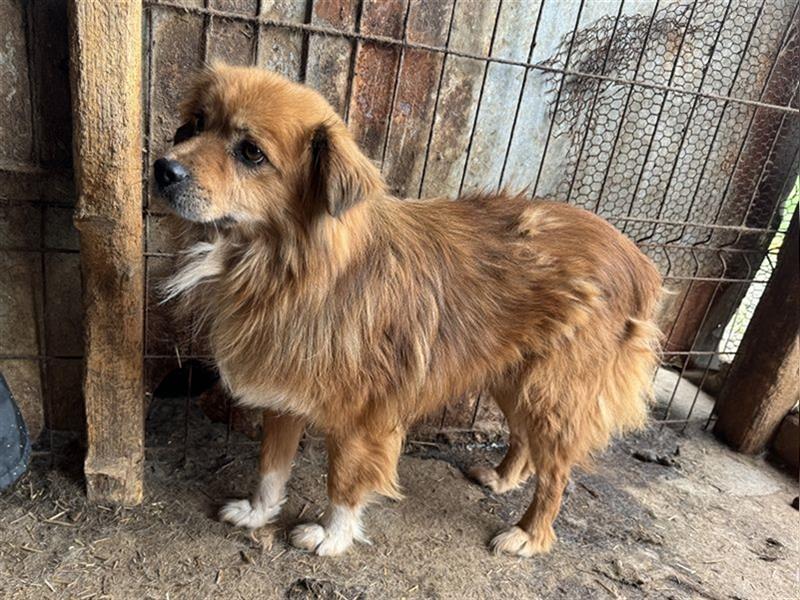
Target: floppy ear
(340, 175)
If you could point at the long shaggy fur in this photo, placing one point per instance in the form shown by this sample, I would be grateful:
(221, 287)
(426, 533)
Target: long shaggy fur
(359, 313)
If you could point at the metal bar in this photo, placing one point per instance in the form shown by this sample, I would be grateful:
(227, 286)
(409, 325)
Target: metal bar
(753, 230)
(669, 334)
(208, 15)
(558, 99)
(355, 47)
(378, 39)
(696, 337)
(42, 250)
(708, 364)
(712, 279)
(521, 96)
(397, 72)
(435, 109)
(596, 96)
(257, 31)
(480, 100)
(41, 321)
(39, 356)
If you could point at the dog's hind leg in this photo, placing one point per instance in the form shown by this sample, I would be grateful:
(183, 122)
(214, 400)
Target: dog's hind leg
(360, 463)
(517, 466)
(559, 408)
(534, 533)
(280, 438)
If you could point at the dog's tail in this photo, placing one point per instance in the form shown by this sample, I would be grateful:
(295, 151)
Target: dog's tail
(627, 390)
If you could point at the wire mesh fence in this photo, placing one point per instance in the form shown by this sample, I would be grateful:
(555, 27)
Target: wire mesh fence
(677, 121)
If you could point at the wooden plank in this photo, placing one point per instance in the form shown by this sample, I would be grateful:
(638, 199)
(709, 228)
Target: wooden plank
(281, 49)
(65, 395)
(176, 54)
(515, 30)
(16, 133)
(32, 184)
(49, 50)
(328, 64)
(763, 382)
(64, 317)
(106, 76)
(232, 41)
(473, 24)
(20, 309)
(412, 113)
(374, 75)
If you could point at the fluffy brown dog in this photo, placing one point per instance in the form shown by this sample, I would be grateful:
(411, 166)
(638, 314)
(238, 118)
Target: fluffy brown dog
(330, 303)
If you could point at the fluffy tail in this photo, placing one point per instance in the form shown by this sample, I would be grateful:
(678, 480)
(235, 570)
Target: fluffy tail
(628, 389)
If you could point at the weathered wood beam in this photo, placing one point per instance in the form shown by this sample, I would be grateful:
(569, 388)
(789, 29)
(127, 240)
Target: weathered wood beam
(763, 383)
(106, 77)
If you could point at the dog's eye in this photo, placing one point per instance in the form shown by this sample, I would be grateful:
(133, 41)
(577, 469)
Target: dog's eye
(251, 153)
(189, 129)
(184, 132)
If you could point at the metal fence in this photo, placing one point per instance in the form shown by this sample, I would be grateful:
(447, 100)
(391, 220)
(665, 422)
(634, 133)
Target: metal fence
(676, 121)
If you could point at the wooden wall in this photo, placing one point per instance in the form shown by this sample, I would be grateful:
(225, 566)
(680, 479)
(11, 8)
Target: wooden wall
(40, 288)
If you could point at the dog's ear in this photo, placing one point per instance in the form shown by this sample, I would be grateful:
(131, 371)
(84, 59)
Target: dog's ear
(340, 175)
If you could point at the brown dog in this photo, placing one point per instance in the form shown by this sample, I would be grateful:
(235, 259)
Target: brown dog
(330, 303)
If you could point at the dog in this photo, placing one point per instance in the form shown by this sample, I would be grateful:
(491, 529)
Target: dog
(328, 303)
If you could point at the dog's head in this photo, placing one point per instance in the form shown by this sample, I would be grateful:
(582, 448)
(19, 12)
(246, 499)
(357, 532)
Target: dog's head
(256, 147)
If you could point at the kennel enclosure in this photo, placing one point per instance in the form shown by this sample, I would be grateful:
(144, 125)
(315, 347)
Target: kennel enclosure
(677, 121)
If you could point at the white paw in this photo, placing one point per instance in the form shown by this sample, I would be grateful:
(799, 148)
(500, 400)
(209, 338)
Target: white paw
(315, 538)
(242, 513)
(517, 542)
(341, 526)
(307, 536)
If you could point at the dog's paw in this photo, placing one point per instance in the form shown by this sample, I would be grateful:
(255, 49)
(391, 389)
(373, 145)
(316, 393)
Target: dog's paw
(242, 513)
(485, 476)
(516, 542)
(489, 477)
(315, 538)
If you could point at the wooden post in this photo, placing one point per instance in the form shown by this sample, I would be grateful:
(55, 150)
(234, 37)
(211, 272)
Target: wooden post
(763, 383)
(106, 74)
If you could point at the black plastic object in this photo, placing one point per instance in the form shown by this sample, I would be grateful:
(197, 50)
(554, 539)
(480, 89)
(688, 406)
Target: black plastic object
(15, 445)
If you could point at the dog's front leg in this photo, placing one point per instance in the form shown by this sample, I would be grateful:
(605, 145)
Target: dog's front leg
(363, 462)
(280, 437)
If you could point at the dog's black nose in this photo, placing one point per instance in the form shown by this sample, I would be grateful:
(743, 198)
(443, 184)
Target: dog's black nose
(168, 172)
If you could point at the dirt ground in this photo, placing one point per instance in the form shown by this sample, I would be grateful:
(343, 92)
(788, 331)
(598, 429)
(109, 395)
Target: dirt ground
(705, 524)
